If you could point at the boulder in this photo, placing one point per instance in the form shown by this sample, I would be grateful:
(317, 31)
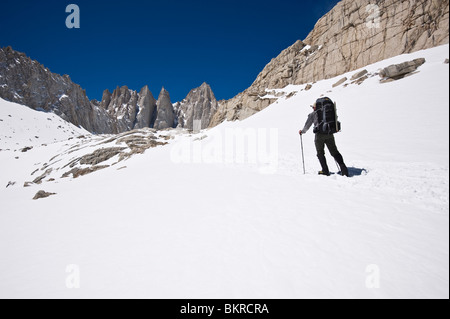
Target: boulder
(339, 82)
(42, 194)
(360, 80)
(398, 71)
(358, 75)
(26, 149)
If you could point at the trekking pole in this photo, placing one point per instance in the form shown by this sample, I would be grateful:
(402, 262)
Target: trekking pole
(303, 156)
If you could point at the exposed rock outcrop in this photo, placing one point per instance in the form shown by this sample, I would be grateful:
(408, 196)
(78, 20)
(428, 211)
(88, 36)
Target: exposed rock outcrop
(100, 155)
(345, 39)
(97, 153)
(77, 172)
(398, 71)
(10, 184)
(38, 180)
(196, 110)
(343, 80)
(42, 194)
(358, 75)
(29, 83)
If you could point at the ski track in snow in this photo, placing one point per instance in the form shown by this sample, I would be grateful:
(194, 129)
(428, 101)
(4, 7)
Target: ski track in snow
(158, 229)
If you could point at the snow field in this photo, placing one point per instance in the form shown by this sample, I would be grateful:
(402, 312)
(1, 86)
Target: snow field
(163, 229)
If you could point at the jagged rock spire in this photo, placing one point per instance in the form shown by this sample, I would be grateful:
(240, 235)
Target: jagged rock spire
(196, 110)
(165, 115)
(117, 112)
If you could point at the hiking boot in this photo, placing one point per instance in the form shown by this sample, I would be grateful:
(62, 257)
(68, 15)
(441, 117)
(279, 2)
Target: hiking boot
(323, 163)
(340, 161)
(344, 171)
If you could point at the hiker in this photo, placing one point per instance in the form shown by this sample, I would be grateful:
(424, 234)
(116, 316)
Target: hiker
(324, 133)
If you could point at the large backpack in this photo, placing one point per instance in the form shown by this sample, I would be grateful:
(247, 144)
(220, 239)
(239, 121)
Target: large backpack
(328, 119)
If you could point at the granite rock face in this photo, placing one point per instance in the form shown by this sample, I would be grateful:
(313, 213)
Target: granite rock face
(131, 110)
(196, 110)
(355, 33)
(29, 83)
(122, 106)
(147, 109)
(165, 114)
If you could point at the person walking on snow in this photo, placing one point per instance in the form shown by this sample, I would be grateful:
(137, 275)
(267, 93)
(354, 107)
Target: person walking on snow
(321, 140)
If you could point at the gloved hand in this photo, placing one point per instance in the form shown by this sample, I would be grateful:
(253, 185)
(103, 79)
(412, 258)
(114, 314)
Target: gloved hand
(300, 132)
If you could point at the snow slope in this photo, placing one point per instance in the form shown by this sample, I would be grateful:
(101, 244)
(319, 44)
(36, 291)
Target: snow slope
(21, 126)
(196, 219)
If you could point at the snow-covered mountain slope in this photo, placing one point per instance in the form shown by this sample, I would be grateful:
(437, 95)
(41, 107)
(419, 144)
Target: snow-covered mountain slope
(22, 127)
(208, 216)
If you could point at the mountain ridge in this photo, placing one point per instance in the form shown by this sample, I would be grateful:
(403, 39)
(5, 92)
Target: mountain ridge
(343, 40)
(27, 82)
(348, 37)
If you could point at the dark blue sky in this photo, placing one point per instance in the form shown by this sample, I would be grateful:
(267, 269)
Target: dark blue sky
(175, 44)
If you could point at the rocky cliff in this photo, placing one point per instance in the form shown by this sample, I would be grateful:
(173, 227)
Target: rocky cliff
(29, 83)
(130, 109)
(353, 34)
(196, 110)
